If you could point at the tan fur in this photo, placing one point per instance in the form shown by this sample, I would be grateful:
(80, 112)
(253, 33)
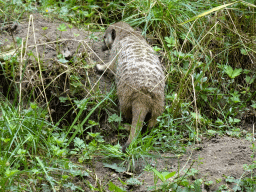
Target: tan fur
(139, 76)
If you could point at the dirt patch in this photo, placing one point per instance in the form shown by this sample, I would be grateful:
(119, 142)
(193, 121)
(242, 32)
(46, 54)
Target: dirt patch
(220, 157)
(62, 51)
(46, 38)
(215, 160)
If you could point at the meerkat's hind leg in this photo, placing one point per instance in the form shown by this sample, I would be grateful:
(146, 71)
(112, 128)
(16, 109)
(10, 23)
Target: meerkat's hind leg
(139, 112)
(127, 127)
(152, 122)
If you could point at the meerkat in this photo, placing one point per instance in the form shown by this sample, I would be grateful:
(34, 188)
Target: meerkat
(139, 76)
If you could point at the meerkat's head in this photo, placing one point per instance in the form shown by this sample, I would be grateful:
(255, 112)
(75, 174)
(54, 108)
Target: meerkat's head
(117, 32)
(108, 39)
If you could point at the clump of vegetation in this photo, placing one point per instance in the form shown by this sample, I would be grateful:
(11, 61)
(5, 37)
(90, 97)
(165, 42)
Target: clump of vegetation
(54, 120)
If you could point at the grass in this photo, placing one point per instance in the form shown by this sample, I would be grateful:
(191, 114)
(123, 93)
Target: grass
(209, 57)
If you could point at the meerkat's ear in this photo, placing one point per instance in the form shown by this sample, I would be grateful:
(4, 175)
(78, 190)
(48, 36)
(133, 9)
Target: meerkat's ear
(113, 34)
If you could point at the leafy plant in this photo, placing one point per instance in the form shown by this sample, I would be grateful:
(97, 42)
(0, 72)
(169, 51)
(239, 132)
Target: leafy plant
(232, 73)
(164, 175)
(115, 188)
(114, 167)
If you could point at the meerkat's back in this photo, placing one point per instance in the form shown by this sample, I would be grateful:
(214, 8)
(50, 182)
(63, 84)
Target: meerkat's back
(139, 75)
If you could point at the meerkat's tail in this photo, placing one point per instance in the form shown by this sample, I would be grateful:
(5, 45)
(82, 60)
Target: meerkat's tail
(139, 112)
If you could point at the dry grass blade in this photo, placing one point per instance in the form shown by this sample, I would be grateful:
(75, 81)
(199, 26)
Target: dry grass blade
(40, 69)
(208, 12)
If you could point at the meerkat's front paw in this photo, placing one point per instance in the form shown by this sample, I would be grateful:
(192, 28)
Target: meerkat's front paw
(100, 67)
(127, 127)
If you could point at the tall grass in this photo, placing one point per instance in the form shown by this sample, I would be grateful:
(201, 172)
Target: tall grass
(24, 135)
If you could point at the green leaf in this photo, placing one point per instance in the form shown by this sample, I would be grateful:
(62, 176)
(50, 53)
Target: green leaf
(233, 121)
(156, 49)
(168, 175)
(237, 188)
(79, 143)
(18, 40)
(249, 80)
(235, 99)
(197, 185)
(62, 27)
(230, 179)
(229, 70)
(198, 116)
(246, 71)
(63, 99)
(33, 105)
(76, 8)
(170, 41)
(9, 173)
(63, 60)
(232, 73)
(219, 122)
(243, 51)
(179, 55)
(114, 118)
(65, 177)
(94, 134)
(236, 73)
(184, 183)
(115, 167)
(159, 175)
(208, 183)
(133, 181)
(164, 175)
(81, 104)
(210, 89)
(253, 105)
(123, 183)
(204, 97)
(113, 187)
(93, 123)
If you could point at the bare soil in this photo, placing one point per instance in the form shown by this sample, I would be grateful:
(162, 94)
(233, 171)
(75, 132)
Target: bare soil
(215, 158)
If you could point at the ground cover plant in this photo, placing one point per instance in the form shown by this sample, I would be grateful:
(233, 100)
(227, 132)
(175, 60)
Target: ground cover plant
(60, 125)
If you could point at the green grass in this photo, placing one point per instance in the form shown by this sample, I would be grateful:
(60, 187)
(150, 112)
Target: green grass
(209, 58)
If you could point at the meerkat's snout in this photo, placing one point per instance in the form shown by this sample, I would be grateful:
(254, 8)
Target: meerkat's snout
(108, 40)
